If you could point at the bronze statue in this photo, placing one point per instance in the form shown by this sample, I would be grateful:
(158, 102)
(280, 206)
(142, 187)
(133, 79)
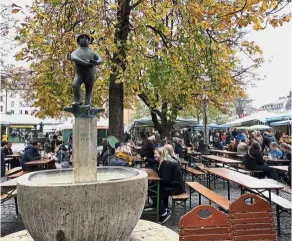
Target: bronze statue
(85, 61)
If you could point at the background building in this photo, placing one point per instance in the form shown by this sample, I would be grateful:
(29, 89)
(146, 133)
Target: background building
(280, 105)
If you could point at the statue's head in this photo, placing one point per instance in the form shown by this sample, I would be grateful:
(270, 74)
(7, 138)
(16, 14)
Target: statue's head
(83, 40)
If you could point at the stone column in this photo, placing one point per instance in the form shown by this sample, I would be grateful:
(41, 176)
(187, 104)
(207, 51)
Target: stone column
(84, 143)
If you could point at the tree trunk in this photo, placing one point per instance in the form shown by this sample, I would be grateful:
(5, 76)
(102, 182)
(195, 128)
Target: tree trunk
(165, 128)
(116, 91)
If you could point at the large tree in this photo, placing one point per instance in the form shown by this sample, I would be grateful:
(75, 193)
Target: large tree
(162, 51)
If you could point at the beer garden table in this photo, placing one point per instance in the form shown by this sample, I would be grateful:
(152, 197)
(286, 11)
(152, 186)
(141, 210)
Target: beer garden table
(245, 181)
(154, 187)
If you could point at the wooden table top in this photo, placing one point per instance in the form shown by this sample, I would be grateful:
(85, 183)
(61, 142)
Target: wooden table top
(222, 159)
(152, 175)
(225, 152)
(280, 168)
(16, 155)
(276, 161)
(242, 179)
(183, 162)
(195, 153)
(39, 162)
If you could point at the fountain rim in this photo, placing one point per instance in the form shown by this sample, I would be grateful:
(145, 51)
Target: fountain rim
(25, 179)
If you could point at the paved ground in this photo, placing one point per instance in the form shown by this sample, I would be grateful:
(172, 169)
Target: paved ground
(10, 222)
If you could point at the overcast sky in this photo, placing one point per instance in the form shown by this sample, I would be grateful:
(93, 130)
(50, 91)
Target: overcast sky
(276, 72)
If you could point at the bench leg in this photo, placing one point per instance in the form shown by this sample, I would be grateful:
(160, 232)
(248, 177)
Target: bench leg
(190, 198)
(278, 220)
(185, 207)
(228, 187)
(200, 199)
(16, 205)
(173, 211)
(192, 177)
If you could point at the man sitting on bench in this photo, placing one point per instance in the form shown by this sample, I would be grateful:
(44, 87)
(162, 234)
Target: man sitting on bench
(254, 160)
(31, 153)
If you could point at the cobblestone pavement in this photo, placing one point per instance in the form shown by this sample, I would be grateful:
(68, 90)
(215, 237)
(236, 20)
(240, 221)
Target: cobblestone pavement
(10, 222)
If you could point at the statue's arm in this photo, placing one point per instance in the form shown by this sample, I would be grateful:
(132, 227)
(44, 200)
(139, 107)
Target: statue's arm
(97, 58)
(78, 60)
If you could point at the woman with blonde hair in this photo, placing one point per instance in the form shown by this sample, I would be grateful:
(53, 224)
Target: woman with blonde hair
(170, 151)
(122, 157)
(171, 181)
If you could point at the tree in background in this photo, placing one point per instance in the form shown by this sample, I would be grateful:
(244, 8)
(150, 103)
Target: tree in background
(166, 52)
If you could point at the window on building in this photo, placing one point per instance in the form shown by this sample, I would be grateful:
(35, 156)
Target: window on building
(26, 112)
(20, 112)
(1, 98)
(20, 103)
(12, 111)
(12, 95)
(12, 104)
(1, 108)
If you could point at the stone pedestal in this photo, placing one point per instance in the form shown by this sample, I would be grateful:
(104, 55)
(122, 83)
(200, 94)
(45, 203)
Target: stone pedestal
(84, 142)
(144, 231)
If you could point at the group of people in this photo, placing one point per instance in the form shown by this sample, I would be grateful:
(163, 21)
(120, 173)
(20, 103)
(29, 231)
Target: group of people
(161, 157)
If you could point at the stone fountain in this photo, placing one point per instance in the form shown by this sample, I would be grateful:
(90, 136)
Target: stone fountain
(85, 203)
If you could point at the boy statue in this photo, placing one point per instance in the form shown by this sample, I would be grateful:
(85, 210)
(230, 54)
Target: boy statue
(85, 61)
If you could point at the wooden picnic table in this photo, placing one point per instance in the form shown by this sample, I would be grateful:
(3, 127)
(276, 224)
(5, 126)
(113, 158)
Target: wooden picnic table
(46, 164)
(243, 180)
(225, 152)
(280, 168)
(223, 160)
(154, 187)
(14, 155)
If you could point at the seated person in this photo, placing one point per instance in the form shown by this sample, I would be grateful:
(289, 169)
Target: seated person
(122, 157)
(242, 147)
(218, 144)
(286, 149)
(62, 157)
(147, 149)
(7, 150)
(275, 152)
(254, 160)
(109, 154)
(171, 153)
(31, 153)
(178, 149)
(2, 163)
(171, 181)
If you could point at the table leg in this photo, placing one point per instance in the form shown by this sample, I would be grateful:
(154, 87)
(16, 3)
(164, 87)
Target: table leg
(228, 187)
(190, 198)
(270, 199)
(158, 201)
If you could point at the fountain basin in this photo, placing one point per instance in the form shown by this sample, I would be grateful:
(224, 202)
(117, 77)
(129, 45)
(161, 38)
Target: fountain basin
(55, 209)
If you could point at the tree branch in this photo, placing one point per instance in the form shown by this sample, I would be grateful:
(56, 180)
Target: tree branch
(163, 37)
(135, 4)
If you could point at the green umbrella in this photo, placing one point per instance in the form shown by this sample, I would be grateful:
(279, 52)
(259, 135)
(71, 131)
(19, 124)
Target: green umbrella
(112, 141)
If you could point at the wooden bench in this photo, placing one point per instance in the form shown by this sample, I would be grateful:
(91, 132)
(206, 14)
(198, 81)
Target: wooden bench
(13, 170)
(194, 227)
(194, 173)
(179, 200)
(252, 221)
(252, 171)
(207, 193)
(282, 206)
(18, 174)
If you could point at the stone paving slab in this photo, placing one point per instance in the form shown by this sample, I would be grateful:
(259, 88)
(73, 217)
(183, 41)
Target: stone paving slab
(144, 231)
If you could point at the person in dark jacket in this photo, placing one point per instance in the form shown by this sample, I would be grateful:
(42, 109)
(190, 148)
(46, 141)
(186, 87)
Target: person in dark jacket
(188, 138)
(254, 160)
(178, 149)
(268, 139)
(31, 153)
(2, 163)
(147, 149)
(171, 181)
(7, 149)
